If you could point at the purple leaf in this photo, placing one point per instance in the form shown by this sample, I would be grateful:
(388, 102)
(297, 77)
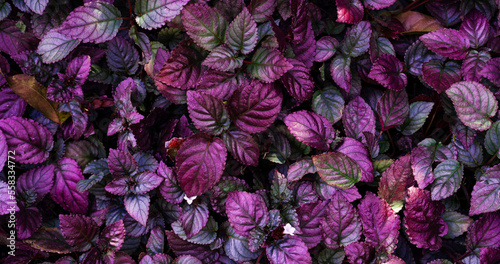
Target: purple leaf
(416, 55)
(337, 169)
(223, 58)
(466, 135)
(474, 104)
(349, 11)
(193, 218)
(222, 188)
(40, 180)
(474, 62)
(439, 75)
(79, 231)
(55, 46)
(419, 111)
(169, 188)
(356, 151)
(156, 241)
(204, 25)
(380, 46)
(329, 103)
(489, 255)
(146, 162)
(393, 109)
(145, 181)
(182, 247)
(13, 41)
(78, 117)
(208, 113)
(3, 151)
(380, 222)
(242, 147)
(485, 196)
(153, 14)
(394, 182)
(137, 206)
(11, 104)
(476, 28)
(457, 223)
(288, 250)
(268, 65)
(113, 236)
(341, 225)
(483, 232)
(310, 216)
(305, 50)
(236, 247)
(241, 34)
(37, 6)
(298, 81)
(6, 199)
(246, 211)
(123, 101)
(49, 239)
(357, 40)
(388, 71)
(122, 57)
(358, 118)
(448, 175)
(491, 140)
(142, 41)
(262, 9)
(378, 4)
(5, 10)
(310, 128)
(220, 84)
(28, 220)
(423, 221)
(325, 48)
(121, 163)
(186, 259)
(360, 252)
(422, 159)
(491, 71)
(448, 14)
(64, 192)
(447, 42)
(30, 141)
(255, 106)
(340, 70)
(230, 9)
(200, 162)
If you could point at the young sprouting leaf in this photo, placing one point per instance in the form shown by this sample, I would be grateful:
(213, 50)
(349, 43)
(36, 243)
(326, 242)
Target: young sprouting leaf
(64, 192)
(11, 104)
(465, 134)
(358, 118)
(329, 103)
(298, 81)
(200, 162)
(152, 14)
(491, 71)
(476, 28)
(95, 22)
(40, 180)
(447, 42)
(241, 35)
(357, 40)
(137, 206)
(14, 41)
(223, 58)
(423, 221)
(55, 46)
(236, 246)
(492, 139)
(325, 48)
(122, 57)
(439, 75)
(483, 232)
(474, 104)
(393, 109)
(192, 219)
(288, 250)
(378, 4)
(349, 11)
(310, 128)
(208, 113)
(79, 231)
(419, 111)
(340, 70)
(380, 222)
(472, 65)
(204, 25)
(416, 55)
(246, 212)
(457, 223)
(388, 71)
(169, 188)
(30, 141)
(262, 9)
(255, 106)
(310, 216)
(341, 225)
(242, 147)
(28, 221)
(337, 169)
(268, 65)
(485, 196)
(356, 151)
(448, 175)
(121, 163)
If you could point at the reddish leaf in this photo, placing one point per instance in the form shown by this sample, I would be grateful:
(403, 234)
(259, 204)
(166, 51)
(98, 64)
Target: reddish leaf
(393, 109)
(394, 182)
(349, 11)
(388, 71)
(447, 42)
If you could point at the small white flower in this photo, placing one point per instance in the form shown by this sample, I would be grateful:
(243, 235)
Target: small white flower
(289, 229)
(189, 199)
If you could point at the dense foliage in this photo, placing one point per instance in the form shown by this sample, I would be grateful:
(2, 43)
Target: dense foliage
(250, 131)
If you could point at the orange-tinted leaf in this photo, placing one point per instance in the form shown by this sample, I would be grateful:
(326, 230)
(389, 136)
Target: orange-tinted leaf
(417, 22)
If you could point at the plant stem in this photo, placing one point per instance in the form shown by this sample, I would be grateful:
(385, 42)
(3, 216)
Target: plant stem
(260, 257)
(432, 120)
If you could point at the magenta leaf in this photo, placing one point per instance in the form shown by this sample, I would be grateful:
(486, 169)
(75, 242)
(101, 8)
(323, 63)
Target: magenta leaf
(142, 41)
(483, 232)
(472, 65)
(78, 117)
(395, 181)
(388, 71)
(489, 255)
(378, 4)
(186, 259)
(207, 112)
(246, 212)
(476, 28)
(341, 225)
(137, 206)
(485, 196)
(419, 111)
(11, 104)
(329, 103)
(121, 163)
(255, 106)
(447, 42)
(310, 128)
(360, 252)
(182, 247)
(192, 219)
(242, 147)
(236, 246)
(220, 84)
(448, 175)
(55, 46)
(422, 159)
(223, 58)
(349, 11)
(169, 188)
(357, 40)
(30, 141)
(325, 48)
(491, 71)
(380, 46)
(28, 221)
(447, 14)
(298, 81)
(95, 22)
(40, 180)
(474, 104)
(6, 196)
(310, 216)
(423, 221)
(356, 151)
(241, 35)
(340, 70)
(288, 250)
(113, 236)
(79, 231)
(156, 240)
(154, 13)
(64, 191)
(416, 55)
(122, 57)
(393, 109)
(3, 150)
(262, 9)
(204, 25)
(467, 135)
(14, 41)
(337, 169)
(200, 162)
(358, 118)
(439, 75)
(268, 65)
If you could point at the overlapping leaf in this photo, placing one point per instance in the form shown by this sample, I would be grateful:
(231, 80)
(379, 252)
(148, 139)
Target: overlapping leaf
(40, 180)
(447, 42)
(448, 175)
(358, 118)
(122, 57)
(395, 181)
(357, 40)
(298, 81)
(416, 55)
(241, 34)
(378, 4)
(457, 223)
(485, 196)
(341, 225)
(325, 48)
(393, 109)
(419, 111)
(476, 28)
(55, 46)
(154, 13)
(310, 128)
(262, 9)
(246, 211)
(356, 151)
(491, 71)
(79, 231)
(288, 250)
(204, 25)
(64, 192)
(482, 233)
(440, 75)
(207, 112)
(388, 71)
(268, 65)
(349, 11)
(137, 206)
(236, 247)
(13, 41)
(340, 70)
(242, 147)
(223, 58)
(337, 169)
(472, 65)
